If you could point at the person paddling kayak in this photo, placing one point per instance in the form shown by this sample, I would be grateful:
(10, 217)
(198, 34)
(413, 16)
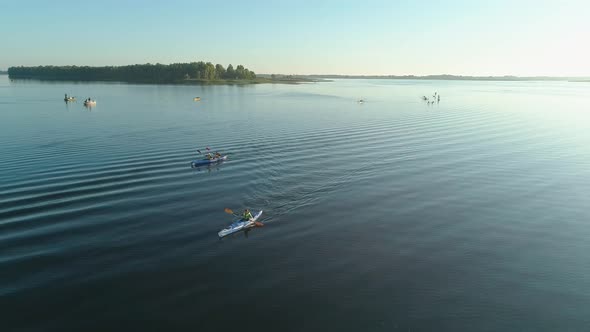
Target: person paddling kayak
(245, 223)
(247, 215)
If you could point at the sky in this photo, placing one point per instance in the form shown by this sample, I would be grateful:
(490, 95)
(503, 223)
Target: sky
(369, 37)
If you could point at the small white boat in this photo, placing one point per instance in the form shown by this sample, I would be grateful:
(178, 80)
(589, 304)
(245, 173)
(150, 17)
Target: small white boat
(197, 99)
(89, 102)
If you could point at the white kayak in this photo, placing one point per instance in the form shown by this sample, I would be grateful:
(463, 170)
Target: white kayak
(239, 225)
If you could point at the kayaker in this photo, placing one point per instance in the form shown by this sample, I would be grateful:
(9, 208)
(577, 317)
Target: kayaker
(247, 215)
(209, 156)
(217, 155)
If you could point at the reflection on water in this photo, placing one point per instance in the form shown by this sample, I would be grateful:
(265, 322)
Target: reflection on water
(208, 167)
(468, 215)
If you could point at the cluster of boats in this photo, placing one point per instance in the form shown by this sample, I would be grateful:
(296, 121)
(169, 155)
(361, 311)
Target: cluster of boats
(435, 98)
(237, 225)
(87, 101)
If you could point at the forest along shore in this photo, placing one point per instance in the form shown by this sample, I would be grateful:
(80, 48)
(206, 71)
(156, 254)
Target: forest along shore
(177, 73)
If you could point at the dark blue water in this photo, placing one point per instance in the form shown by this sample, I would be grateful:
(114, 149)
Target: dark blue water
(392, 215)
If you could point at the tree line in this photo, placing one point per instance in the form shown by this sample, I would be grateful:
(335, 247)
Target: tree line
(157, 73)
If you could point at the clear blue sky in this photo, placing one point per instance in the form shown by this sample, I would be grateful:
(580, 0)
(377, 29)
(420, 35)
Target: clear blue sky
(499, 37)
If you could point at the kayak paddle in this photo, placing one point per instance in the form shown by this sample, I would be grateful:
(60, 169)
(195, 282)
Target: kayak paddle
(228, 210)
(256, 223)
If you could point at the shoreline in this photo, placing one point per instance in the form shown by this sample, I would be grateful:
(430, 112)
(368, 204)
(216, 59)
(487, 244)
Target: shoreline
(458, 78)
(291, 79)
(262, 80)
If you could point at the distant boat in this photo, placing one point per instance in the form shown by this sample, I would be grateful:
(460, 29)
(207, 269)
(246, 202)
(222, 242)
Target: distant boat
(360, 101)
(66, 98)
(89, 102)
(197, 99)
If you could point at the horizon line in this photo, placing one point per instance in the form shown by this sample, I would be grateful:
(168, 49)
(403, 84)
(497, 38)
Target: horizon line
(366, 75)
(581, 76)
(429, 75)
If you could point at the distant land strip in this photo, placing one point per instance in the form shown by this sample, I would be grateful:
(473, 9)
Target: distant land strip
(176, 73)
(457, 77)
(207, 73)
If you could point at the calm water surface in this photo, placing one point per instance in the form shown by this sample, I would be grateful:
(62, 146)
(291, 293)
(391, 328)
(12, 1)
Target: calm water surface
(392, 215)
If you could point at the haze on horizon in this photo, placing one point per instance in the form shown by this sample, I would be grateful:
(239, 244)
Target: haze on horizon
(373, 37)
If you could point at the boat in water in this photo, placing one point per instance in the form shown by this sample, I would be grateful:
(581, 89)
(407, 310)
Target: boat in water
(205, 161)
(240, 225)
(89, 102)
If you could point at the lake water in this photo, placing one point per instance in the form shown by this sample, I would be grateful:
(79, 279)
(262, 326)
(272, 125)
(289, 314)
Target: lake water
(471, 214)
